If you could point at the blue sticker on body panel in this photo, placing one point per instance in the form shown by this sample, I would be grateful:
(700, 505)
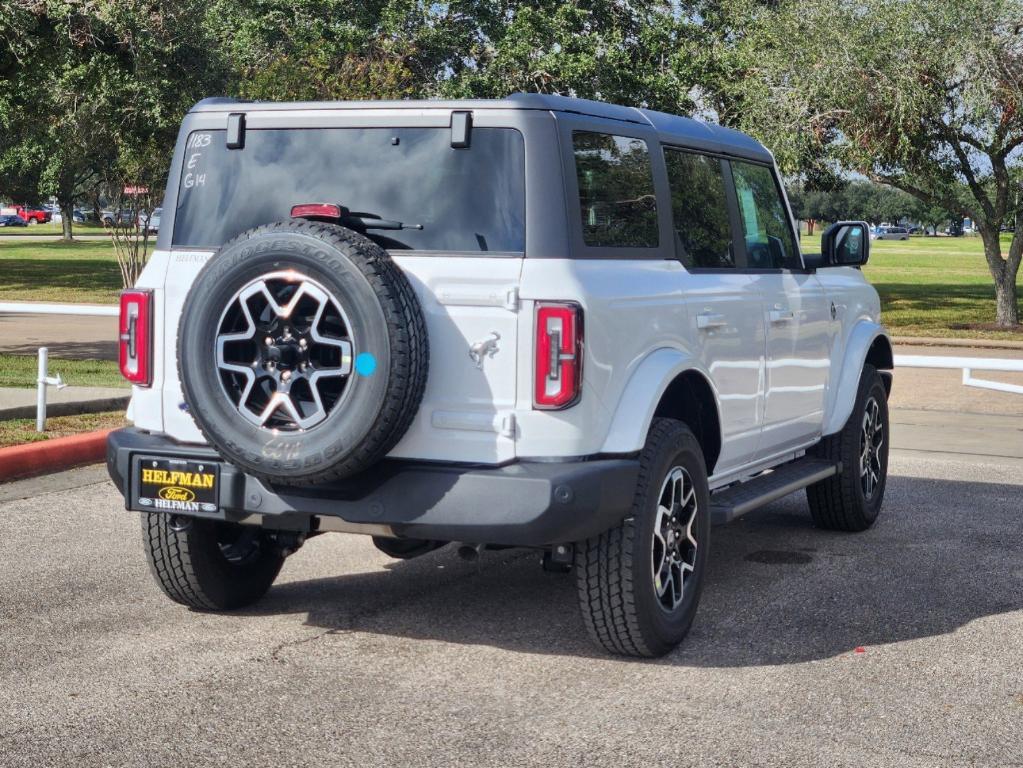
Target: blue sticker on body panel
(365, 364)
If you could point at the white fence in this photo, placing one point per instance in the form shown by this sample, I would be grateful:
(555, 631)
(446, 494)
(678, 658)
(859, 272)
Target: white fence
(968, 365)
(43, 378)
(94, 310)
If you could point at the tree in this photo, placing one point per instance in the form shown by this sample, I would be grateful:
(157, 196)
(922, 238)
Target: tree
(86, 82)
(336, 49)
(923, 95)
(644, 52)
(635, 53)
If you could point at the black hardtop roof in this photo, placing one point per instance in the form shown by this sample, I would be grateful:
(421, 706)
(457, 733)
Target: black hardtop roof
(686, 130)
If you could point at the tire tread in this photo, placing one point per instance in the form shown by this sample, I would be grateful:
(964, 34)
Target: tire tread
(835, 502)
(604, 564)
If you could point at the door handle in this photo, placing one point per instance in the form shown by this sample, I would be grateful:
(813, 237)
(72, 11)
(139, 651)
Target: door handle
(781, 315)
(710, 320)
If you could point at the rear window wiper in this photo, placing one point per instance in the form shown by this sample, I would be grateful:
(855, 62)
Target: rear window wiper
(372, 221)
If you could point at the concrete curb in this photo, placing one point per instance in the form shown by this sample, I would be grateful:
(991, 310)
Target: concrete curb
(926, 341)
(67, 409)
(30, 459)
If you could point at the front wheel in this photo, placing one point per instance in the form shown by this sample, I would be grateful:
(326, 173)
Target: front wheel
(639, 584)
(209, 565)
(851, 500)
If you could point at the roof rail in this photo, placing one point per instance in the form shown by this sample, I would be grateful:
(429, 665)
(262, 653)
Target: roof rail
(211, 100)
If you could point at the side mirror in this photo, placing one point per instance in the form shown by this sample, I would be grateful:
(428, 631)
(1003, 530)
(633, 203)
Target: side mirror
(846, 244)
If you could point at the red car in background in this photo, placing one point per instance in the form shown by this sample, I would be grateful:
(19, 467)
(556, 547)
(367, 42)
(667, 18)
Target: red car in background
(33, 215)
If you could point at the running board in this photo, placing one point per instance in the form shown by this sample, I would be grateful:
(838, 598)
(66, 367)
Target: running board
(729, 503)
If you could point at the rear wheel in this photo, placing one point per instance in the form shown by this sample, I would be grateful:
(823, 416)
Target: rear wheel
(639, 583)
(209, 565)
(851, 500)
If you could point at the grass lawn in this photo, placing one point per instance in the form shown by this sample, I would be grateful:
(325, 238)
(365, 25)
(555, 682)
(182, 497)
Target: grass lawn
(20, 371)
(50, 229)
(77, 272)
(928, 285)
(18, 431)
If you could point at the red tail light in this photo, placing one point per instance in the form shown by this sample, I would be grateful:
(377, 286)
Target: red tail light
(316, 211)
(136, 337)
(559, 348)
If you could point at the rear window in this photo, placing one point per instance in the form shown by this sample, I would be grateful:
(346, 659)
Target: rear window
(470, 199)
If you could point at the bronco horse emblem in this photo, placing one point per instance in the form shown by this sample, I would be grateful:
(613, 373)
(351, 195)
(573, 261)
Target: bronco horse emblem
(483, 349)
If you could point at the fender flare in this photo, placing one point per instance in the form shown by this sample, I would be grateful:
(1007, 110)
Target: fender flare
(635, 408)
(843, 396)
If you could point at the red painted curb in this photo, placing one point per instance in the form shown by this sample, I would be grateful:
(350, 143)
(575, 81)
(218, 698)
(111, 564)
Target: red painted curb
(55, 455)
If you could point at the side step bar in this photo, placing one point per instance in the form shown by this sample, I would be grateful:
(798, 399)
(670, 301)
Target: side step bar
(729, 503)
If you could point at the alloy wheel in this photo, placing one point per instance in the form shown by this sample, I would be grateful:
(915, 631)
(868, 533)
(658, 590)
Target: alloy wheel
(871, 441)
(284, 352)
(673, 555)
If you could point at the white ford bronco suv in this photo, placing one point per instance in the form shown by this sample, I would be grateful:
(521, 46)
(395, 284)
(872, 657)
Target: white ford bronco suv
(537, 321)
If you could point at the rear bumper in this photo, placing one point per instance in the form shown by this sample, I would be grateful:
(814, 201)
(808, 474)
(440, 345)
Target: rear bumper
(522, 504)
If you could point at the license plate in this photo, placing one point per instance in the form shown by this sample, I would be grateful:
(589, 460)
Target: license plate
(176, 485)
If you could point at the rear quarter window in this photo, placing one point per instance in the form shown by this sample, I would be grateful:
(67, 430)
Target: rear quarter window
(466, 199)
(617, 202)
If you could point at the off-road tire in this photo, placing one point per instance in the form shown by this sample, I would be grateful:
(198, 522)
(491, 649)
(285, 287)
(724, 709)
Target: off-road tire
(378, 298)
(187, 561)
(614, 574)
(838, 503)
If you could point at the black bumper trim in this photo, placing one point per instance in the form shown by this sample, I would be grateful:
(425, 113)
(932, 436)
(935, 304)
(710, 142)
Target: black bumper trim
(523, 503)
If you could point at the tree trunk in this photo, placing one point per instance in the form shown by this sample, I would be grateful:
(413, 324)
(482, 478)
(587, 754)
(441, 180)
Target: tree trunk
(1004, 272)
(67, 215)
(1007, 302)
(810, 225)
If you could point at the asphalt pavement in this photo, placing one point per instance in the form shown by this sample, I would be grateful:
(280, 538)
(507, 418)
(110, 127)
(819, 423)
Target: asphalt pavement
(902, 646)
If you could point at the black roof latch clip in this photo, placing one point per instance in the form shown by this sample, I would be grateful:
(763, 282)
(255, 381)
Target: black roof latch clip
(461, 128)
(236, 130)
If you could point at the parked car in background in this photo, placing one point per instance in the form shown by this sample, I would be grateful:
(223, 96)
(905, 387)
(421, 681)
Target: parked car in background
(150, 222)
(121, 218)
(12, 220)
(889, 233)
(78, 217)
(34, 215)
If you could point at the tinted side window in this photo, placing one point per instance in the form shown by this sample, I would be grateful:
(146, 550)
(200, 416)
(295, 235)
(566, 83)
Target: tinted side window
(770, 243)
(699, 210)
(616, 191)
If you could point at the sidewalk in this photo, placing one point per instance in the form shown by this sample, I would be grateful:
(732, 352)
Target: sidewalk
(942, 390)
(67, 336)
(17, 403)
(961, 434)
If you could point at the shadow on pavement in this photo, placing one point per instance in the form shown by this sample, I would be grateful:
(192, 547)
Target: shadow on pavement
(942, 554)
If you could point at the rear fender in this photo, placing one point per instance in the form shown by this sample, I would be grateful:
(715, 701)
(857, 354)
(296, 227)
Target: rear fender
(647, 385)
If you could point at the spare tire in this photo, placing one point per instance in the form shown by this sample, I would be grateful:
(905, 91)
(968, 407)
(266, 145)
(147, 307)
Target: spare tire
(302, 352)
